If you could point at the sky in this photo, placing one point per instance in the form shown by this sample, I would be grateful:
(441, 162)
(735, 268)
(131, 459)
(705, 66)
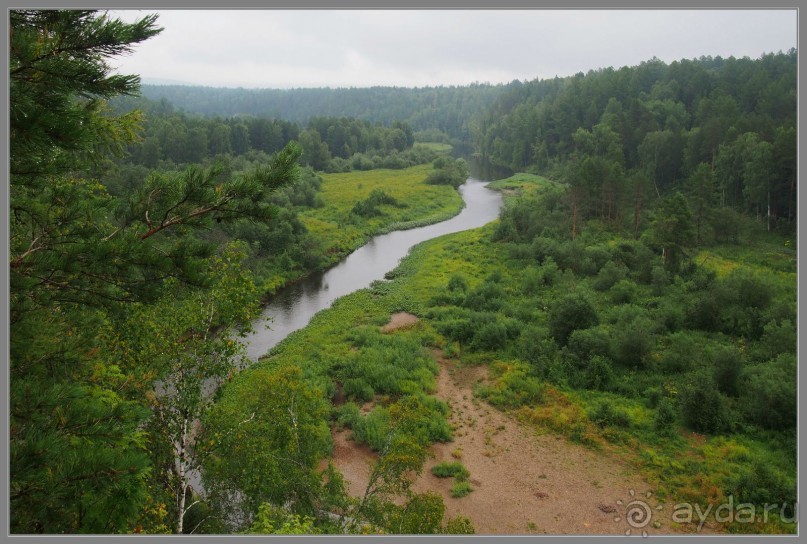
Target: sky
(418, 48)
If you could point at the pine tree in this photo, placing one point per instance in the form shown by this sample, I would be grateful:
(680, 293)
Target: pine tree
(79, 259)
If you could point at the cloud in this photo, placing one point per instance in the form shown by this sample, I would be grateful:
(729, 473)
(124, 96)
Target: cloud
(287, 48)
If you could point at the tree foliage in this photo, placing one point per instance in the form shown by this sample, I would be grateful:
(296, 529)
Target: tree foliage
(111, 299)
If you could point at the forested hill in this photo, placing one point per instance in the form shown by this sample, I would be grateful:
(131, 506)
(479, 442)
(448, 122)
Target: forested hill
(444, 108)
(658, 121)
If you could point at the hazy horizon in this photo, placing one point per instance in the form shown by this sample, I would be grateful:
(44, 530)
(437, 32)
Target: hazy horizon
(288, 49)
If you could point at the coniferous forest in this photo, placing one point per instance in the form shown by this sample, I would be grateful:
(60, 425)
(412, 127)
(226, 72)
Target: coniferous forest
(634, 301)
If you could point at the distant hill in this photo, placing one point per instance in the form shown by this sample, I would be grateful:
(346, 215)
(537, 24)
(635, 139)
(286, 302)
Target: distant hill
(160, 81)
(445, 108)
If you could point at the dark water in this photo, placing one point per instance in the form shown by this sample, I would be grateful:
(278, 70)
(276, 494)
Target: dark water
(293, 307)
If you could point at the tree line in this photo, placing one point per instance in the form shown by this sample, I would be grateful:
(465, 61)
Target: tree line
(722, 131)
(446, 109)
(173, 137)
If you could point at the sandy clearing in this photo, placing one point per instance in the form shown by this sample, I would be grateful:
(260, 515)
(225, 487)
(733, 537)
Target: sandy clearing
(524, 483)
(400, 320)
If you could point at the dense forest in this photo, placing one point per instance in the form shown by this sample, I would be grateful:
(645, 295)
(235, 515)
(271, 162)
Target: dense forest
(445, 109)
(637, 294)
(723, 130)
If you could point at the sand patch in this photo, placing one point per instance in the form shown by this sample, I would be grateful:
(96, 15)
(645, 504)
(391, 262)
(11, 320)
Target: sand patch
(400, 320)
(524, 483)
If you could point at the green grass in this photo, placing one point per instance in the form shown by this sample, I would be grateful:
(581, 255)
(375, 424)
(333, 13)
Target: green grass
(453, 469)
(522, 183)
(460, 489)
(342, 232)
(437, 147)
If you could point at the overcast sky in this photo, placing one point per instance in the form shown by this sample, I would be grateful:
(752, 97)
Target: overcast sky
(287, 49)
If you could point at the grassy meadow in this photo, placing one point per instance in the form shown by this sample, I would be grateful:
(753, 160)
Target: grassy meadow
(417, 204)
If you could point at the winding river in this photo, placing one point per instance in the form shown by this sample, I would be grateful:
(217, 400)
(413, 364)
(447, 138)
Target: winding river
(293, 307)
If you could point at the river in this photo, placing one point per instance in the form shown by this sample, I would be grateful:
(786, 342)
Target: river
(293, 307)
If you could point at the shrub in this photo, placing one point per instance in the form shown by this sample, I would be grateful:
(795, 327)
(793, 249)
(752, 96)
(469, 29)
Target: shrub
(460, 489)
(679, 355)
(348, 414)
(550, 272)
(659, 279)
(358, 389)
(727, 364)
(671, 314)
(369, 206)
(666, 416)
(632, 343)
(604, 414)
(487, 297)
(702, 406)
(778, 338)
(599, 257)
(623, 292)
(457, 283)
(535, 348)
(570, 313)
(769, 395)
(599, 374)
(453, 469)
(586, 343)
(760, 483)
(459, 526)
(490, 337)
(372, 429)
(608, 276)
(543, 248)
(513, 388)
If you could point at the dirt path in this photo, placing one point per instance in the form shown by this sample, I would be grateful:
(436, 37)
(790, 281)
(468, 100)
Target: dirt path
(523, 483)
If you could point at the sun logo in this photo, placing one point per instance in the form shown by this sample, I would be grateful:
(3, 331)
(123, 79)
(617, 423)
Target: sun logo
(638, 513)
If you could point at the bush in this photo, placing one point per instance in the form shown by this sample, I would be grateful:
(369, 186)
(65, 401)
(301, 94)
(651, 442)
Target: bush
(369, 206)
(453, 469)
(671, 314)
(608, 276)
(535, 348)
(727, 364)
(665, 418)
(372, 429)
(348, 414)
(778, 338)
(358, 389)
(702, 406)
(490, 337)
(586, 343)
(760, 483)
(599, 374)
(604, 414)
(570, 313)
(769, 395)
(623, 292)
(513, 388)
(632, 344)
(459, 526)
(550, 272)
(460, 489)
(659, 279)
(457, 283)
(680, 354)
(487, 297)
